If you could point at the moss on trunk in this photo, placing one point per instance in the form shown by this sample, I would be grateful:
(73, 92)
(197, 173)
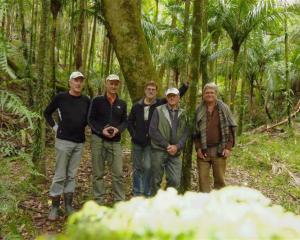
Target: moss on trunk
(126, 34)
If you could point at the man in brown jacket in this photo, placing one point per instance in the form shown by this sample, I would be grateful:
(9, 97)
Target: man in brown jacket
(214, 138)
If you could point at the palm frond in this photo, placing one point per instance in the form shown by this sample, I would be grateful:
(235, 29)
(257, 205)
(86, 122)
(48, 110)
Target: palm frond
(220, 54)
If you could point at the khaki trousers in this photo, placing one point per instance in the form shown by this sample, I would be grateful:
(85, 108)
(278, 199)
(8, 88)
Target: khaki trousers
(218, 166)
(110, 153)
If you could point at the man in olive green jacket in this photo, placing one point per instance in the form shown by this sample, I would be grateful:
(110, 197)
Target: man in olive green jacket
(168, 131)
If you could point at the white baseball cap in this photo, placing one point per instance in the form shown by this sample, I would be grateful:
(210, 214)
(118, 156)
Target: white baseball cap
(172, 91)
(112, 77)
(76, 75)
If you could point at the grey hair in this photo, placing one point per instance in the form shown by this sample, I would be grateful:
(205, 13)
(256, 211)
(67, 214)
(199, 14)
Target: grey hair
(211, 85)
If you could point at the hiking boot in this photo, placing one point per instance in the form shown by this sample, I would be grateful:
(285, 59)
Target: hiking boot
(68, 198)
(55, 211)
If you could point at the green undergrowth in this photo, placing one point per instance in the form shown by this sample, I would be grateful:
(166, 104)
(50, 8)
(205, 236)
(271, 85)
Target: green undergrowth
(15, 186)
(272, 162)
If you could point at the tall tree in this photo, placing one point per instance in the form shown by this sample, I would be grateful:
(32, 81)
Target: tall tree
(55, 9)
(185, 41)
(26, 55)
(239, 18)
(205, 50)
(129, 44)
(194, 78)
(79, 39)
(40, 98)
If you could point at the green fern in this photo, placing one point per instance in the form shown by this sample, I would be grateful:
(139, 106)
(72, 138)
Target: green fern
(12, 104)
(3, 42)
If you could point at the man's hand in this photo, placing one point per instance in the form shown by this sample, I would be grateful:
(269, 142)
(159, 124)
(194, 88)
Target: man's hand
(115, 131)
(107, 132)
(55, 127)
(172, 149)
(226, 153)
(110, 132)
(200, 154)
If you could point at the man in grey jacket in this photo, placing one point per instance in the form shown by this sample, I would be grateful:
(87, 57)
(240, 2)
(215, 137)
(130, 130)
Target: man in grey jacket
(168, 131)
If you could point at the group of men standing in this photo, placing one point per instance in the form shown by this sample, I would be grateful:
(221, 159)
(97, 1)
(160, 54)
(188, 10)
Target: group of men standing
(158, 129)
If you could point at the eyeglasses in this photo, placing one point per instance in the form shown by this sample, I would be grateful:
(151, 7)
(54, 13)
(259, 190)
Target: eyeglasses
(151, 89)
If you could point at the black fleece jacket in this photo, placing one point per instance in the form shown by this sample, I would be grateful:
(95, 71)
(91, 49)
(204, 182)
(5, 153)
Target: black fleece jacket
(72, 113)
(103, 114)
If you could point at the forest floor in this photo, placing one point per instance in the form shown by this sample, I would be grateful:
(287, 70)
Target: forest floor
(267, 162)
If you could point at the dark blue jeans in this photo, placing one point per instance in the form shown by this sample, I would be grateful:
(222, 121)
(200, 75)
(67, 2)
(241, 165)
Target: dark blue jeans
(141, 170)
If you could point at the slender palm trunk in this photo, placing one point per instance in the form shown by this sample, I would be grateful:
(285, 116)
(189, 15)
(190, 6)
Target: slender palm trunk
(71, 36)
(204, 57)
(185, 40)
(55, 8)
(26, 55)
(39, 131)
(287, 72)
(194, 78)
(108, 59)
(242, 101)
(234, 81)
(79, 38)
(91, 56)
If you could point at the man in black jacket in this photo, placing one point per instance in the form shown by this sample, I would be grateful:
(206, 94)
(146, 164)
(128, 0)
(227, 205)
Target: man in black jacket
(138, 126)
(108, 119)
(72, 111)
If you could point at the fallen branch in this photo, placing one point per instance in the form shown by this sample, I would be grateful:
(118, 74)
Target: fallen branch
(278, 168)
(266, 128)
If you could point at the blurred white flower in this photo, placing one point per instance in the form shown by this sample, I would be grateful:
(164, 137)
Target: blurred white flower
(230, 213)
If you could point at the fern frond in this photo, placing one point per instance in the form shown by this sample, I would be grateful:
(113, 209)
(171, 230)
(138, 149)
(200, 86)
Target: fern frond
(13, 104)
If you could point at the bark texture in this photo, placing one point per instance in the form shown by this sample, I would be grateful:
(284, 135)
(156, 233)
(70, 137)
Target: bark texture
(126, 34)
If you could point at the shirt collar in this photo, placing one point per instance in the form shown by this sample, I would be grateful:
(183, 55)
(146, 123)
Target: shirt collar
(170, 109)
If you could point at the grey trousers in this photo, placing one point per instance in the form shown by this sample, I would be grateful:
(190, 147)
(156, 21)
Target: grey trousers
(162, 162)
(110, 152)
(68, 155)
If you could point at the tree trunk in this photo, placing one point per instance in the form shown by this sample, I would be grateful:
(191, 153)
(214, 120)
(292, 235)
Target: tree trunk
(33, 31)
(40, 96)
(86, 41)
(185, 40)
(157, 12)
(79, 39)
(242, 103)
(91, 56)
(109, 51)
(234, 82)
(287, 72)
(130, 44)
(194, 78)
(55, 8)
(214, 63)
(204, 56)
(71, 37)
(251, 94)
(28, 79)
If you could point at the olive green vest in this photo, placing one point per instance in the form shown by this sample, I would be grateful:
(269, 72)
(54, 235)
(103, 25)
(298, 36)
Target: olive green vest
(164, 124)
